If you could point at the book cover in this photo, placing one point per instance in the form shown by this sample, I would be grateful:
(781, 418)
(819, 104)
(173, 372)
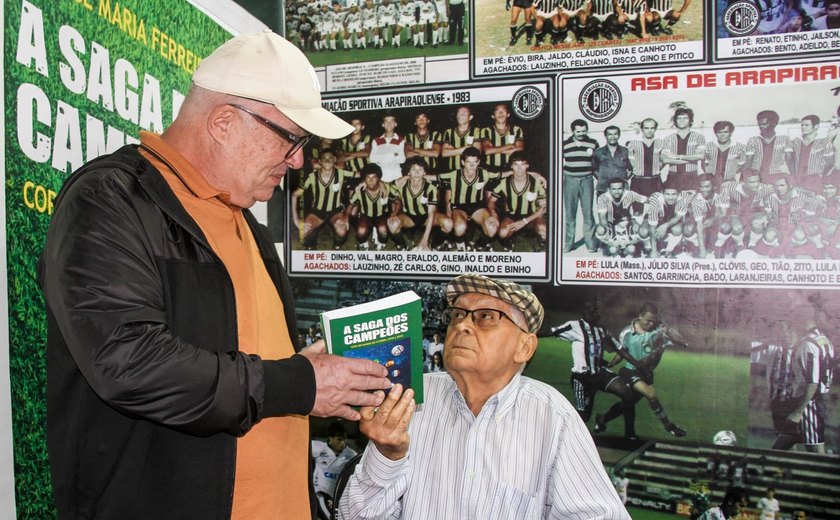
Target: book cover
(388, 331)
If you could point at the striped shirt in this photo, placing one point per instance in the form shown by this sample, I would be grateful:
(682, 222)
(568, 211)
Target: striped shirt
(326, 195)
(725, 162)
(417, 204)
(465, 192)
(577, 156)
(374, 206)
(588, 345)
(527, 455)
(519, 202)
(706, 209)
(602, 8)
(774, 162)
(633, 6)
(425, 142)
(814, 158)
(662, 6)
(788, 210)
(742, 201)
(693, 143)
(658, 211)
(645, 158)
(492, 137)
(813, 360)
(455, 139)
(614, 211)
(348, 145)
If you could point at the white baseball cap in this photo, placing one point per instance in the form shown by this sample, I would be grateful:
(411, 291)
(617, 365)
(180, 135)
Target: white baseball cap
(266, 67)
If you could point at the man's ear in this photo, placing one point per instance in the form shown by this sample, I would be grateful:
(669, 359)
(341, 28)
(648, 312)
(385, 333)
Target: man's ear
(219, 122)
(525, 348)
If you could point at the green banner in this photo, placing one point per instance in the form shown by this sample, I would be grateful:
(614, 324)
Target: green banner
(82, 78)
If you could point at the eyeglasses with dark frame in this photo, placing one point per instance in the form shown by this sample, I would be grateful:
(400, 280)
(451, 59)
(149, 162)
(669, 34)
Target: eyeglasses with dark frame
(297, 141)
(483, 318)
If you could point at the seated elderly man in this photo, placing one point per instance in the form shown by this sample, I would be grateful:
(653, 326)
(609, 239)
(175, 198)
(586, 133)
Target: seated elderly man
(488, 442)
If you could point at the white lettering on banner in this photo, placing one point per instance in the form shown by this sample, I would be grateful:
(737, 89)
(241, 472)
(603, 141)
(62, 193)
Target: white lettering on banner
(125, 76)
(67, 142)
(36, 146)
(30, 44)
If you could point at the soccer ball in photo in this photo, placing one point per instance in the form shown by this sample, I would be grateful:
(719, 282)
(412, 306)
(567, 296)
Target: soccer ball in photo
(725, 438)
(397, 350)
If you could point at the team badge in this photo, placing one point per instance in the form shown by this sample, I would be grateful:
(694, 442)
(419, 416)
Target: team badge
(528, 103)
(600, 100)
(741, 18)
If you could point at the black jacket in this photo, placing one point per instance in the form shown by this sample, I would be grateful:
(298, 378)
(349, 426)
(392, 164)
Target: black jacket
(146, 388)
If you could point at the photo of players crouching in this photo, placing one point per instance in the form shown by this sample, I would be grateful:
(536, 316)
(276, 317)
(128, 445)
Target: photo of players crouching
(418, 209)
(582, 20)
(685, 195)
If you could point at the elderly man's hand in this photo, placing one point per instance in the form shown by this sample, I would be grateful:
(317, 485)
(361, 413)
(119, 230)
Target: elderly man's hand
(387, 425)
(342, 382)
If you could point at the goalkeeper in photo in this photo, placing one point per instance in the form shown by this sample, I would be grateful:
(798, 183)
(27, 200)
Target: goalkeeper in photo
(518, 202)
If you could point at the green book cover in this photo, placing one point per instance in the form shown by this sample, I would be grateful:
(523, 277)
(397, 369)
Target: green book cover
(388, 331)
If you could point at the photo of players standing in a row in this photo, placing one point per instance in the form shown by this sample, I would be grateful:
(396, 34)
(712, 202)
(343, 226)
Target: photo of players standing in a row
(330, 25)
(787, 16)
(576, 21)
(705, 189)
(461, 178)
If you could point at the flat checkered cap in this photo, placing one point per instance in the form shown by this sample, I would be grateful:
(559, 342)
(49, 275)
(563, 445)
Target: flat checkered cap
(509, 292)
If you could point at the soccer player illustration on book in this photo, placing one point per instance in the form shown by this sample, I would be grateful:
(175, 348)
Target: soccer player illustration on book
(518, 202)
(645, 339)
(424, 142)
(323, 188)
(500, 139)
(464, 199)
(418, 207)
(589, 340)
(458, 138)
(371, 204)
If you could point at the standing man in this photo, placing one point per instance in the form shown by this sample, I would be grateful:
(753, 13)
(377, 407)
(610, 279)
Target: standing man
(500, 139)
(768, 505)
(424, 142)
(683, 152)
(813, 156)
(173, 386)
(644, 155)
(488, 442)
(388, 150)
(578, 185)
(767, 153)
(460, 137)
(457, 10)
(355, 148)
(724, 157)
(610, 161)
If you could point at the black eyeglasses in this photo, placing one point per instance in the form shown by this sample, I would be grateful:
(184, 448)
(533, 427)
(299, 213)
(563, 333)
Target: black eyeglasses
(297, 141)
(483, 318)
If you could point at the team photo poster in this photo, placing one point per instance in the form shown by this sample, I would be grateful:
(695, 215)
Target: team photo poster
(551, 35)
(714, 176)
(432, 183)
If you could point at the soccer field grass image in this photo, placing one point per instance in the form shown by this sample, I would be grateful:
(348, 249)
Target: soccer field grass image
(703, 380)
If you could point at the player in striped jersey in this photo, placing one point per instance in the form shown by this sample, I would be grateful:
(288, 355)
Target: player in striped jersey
(724, 157)
(549, 12)
(424, 142)
(323, 190)
(665, 213)
(645, 159)
(664, 10)
(528, 12)
(460, 137)
(683, 151)
(419, 200)
(823, 211)
(769, 153)
(355, 148)
(372, 203)
(589, 341)
(464, 197)
(633, 17)
(710, 210)
(618, 227)
(787, 205)
(500, 139)
(518, 202)
(603, 19)
(813, 156)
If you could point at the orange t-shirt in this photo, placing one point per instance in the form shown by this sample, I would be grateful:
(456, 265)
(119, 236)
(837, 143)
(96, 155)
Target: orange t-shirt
(272, 459)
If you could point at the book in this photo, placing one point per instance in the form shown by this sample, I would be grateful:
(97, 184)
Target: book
(388, 331)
